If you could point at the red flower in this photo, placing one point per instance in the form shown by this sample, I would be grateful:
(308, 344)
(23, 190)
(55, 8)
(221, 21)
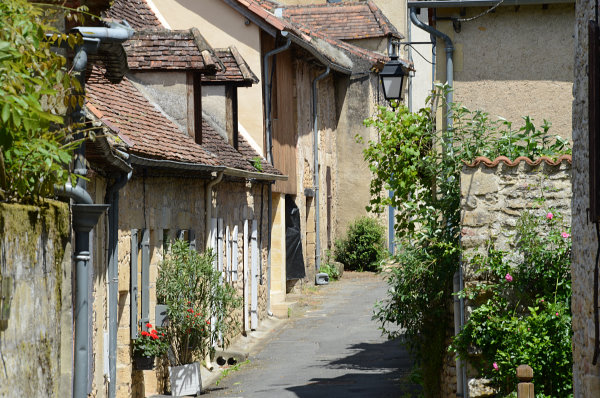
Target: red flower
(144, 333)
(154, 331)
(154, 337)
(162, 334)
(208, 321)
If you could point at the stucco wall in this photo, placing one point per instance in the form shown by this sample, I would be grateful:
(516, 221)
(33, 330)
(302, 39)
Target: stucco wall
(586, 377)
(222, 27)
(513, 63)
(492, 200)
(166, 203)
(35, 266)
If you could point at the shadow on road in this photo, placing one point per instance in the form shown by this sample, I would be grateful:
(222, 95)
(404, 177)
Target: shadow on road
(374, 370)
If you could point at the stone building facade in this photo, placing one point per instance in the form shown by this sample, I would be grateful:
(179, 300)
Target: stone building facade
(586, 376)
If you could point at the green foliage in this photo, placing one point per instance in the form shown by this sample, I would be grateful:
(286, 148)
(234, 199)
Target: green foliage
(363, 247)
(189, 285)
(151, 343)
(421, 165)
(329, 268)
(525, 317)
(257, 163)
(35, 91)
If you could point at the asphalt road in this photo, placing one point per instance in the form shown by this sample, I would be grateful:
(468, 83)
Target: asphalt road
(331, 349)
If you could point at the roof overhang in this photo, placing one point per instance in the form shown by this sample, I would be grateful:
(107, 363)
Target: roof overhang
(481, 3)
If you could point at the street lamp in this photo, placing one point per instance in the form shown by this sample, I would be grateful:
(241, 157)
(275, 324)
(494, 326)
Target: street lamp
(392, 79)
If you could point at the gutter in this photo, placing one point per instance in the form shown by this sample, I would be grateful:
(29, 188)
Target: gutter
(112, 198)
(269, 138)
(316, 169)
(85, 213)
(481, 3)
(457, 280)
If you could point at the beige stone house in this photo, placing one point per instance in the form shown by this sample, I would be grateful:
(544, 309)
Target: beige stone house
(168, 172)
(346, 95)
(507, 60)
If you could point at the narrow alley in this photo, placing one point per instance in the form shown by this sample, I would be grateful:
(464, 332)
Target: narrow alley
(331, 349)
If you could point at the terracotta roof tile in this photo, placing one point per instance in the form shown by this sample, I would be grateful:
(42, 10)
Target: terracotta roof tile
(493, 163)
(136, 12)
(344, 20)
(152, 134)
(164, 49)
(236, 69)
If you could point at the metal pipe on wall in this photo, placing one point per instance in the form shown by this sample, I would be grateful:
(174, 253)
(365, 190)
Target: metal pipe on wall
(316, 167)
(269, 151)
(457, 283)
(112, 198)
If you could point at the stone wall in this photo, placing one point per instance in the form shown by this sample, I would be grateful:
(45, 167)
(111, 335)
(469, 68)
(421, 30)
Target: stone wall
(586, 377)
(493, 197)
(35, 301)
(165, 205)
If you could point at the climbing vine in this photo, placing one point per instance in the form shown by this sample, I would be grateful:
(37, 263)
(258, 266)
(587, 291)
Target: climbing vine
(421, 164)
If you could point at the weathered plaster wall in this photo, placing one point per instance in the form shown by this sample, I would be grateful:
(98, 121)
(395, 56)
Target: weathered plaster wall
(513, 63)
(36, 266)
(492, 200)
(356, 100)
(586, 377)
(222, 27)
(168, 90)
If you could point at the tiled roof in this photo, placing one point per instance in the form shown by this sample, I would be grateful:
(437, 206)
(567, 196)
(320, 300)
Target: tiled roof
(311, 36)
(236, 69)
(136, 12)
(170, 50)
(122, 107)
(151, 134)
(493, 163)
(344, 20)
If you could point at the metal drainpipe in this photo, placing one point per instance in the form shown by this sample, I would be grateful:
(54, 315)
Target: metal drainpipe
(85, 213)
(112, 198)
(316, 169)
(85, 217)
(459, 305)
(207, 222)
(269, 139)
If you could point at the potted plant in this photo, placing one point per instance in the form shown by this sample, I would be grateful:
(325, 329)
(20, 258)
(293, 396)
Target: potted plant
(150, 344)
(198, 309)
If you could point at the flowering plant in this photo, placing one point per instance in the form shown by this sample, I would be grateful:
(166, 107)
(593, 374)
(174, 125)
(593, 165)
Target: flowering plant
(150, 343)
(198, 305)
(523, 309)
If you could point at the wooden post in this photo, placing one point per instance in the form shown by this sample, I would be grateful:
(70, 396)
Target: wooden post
(525, 388)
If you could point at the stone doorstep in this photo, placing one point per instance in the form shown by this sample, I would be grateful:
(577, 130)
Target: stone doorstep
(281, 310)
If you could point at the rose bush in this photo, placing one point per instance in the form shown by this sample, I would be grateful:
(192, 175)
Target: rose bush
(524, 316)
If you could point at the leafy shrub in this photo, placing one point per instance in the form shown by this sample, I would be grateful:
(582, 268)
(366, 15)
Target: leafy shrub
(35, 90)
(363, 247)
(198, 306)
(329, 268)
(421, 165)
(525, 317)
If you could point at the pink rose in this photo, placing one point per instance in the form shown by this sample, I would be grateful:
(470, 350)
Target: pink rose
(508, 277)
(495, 365)
(549, 216)
(565, 235)
(557, 314)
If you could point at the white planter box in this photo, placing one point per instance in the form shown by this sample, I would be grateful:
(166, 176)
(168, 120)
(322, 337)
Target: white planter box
(185, 380)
